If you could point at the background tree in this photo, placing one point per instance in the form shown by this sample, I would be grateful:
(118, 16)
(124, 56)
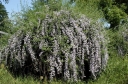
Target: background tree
(3, 15)
(115, 11)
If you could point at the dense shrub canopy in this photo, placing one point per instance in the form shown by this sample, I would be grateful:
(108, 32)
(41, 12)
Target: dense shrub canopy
(62, 45)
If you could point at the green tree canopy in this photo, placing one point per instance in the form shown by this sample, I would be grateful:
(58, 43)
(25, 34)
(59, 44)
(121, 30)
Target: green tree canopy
(3, 15)
(115, 11)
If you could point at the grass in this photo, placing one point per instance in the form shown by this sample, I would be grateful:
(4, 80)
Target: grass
(116, 73)
(7, 78)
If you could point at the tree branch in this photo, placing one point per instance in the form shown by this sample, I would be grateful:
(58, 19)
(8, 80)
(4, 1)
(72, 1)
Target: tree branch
(1, 32)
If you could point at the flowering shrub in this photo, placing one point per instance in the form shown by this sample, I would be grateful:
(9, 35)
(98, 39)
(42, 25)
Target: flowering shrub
(62, 46)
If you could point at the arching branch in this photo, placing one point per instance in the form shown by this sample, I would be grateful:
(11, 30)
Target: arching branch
(1, 32)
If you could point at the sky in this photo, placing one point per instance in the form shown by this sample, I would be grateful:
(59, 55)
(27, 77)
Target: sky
(15, 5)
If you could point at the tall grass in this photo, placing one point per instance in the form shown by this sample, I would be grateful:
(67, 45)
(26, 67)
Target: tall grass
(8, 78)
(116, 73)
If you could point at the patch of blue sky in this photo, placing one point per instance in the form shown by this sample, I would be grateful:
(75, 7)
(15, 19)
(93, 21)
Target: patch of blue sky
(15, 6)
(104, 22)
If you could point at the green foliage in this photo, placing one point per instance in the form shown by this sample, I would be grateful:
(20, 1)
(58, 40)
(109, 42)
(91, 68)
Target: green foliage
(3, 41)
(106, 3)
(55, 5)
(3, 12)
(115, 16)
(90, 8)
(114, 11)
(118, 41)
(122, 4)
(115, 73)
(6, 77)
(3, 15)
(5, 26)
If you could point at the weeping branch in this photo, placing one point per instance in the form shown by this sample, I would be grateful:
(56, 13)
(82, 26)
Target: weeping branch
(63, 46)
